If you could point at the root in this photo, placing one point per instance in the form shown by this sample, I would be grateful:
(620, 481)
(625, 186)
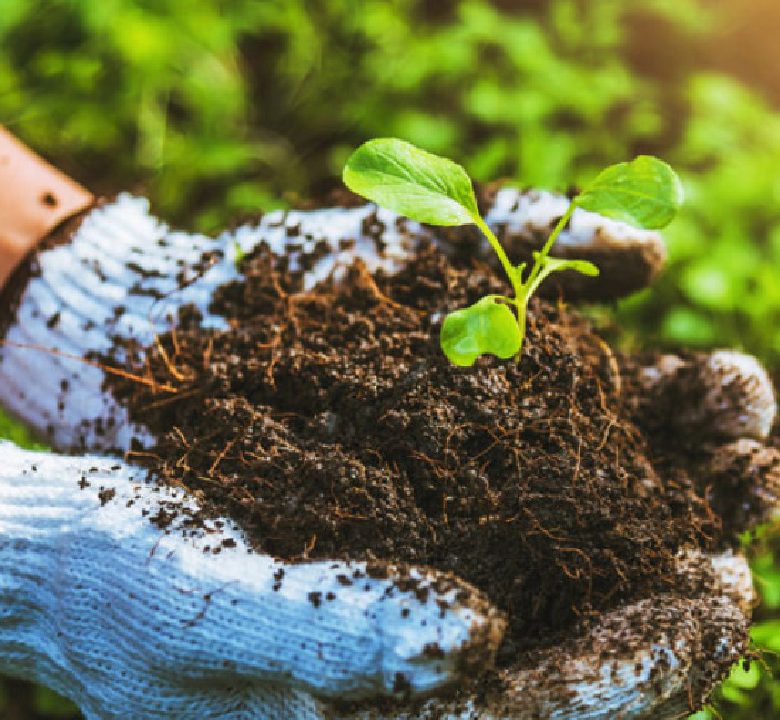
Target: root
(118, 372)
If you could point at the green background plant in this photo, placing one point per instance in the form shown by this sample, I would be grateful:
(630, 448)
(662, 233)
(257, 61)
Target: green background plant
(214, 108)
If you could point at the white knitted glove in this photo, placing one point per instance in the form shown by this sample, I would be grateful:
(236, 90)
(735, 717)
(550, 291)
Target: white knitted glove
(130, 620)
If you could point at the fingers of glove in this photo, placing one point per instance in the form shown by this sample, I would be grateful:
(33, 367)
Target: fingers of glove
(658, 658)
(325, 242)
(718, 407)
(122, 277)
(118, 278)
(743, 484)
(723, 396)
(644, 661)
(92, 583)
(725, 574)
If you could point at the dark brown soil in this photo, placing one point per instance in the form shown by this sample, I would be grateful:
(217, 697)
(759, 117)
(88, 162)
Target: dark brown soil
(330, 424)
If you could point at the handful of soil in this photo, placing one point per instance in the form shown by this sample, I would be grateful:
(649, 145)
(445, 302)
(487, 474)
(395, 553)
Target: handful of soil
(330, 425)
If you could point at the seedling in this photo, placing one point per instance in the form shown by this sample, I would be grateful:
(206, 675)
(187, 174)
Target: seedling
(395, 174)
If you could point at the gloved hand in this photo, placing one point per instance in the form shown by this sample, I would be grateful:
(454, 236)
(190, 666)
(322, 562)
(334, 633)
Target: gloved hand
(130, 620)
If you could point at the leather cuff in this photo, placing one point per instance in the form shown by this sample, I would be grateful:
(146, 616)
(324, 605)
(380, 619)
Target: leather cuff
(35, 198)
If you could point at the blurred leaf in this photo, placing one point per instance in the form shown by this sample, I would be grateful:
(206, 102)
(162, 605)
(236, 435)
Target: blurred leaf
(53, 705)
(18, 434)
(767, 635)
(684, 325)
(709, 285)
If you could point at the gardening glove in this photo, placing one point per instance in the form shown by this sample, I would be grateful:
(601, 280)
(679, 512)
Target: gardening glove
(131, 619)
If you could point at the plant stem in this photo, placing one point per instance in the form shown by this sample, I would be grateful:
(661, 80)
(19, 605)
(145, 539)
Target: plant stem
(524, 289)
(509, 269)
(508, 300)
(542, 271)
(551, 241)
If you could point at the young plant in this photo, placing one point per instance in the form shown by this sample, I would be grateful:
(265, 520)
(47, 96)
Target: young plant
(645, 192)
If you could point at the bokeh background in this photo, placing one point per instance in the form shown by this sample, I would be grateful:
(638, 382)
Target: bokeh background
(218, 108)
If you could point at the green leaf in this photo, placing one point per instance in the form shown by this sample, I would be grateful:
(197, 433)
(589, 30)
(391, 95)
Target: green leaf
(746, 679)
(553, 264)
(767, 635)
(399, 176)
(486, 327)
(645, 192)
(548, 265)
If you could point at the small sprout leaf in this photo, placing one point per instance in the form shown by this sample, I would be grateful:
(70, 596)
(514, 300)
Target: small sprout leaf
(547, 265)
(486, 327)
(645, 192)
(401, 177)
(553, 264)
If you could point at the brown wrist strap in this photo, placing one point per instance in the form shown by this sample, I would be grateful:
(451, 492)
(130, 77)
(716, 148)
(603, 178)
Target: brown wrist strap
(34, 198)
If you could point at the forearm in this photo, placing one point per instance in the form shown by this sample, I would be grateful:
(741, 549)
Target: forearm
(34, 199)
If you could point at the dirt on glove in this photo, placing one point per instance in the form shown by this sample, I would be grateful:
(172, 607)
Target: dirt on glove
(329, 424)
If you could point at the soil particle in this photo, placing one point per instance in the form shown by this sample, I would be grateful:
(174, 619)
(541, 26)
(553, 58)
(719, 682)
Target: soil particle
(106, 495)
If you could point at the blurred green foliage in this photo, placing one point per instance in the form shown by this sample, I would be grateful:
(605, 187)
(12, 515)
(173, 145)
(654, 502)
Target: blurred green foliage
(721, 286)
(215, 108)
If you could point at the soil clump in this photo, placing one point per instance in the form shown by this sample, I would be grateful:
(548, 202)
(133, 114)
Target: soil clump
(329, 424)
